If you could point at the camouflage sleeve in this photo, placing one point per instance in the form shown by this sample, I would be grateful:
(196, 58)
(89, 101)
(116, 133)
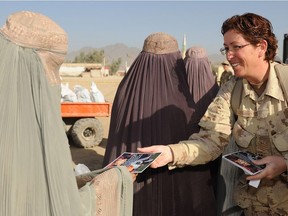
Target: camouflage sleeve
(214, 135)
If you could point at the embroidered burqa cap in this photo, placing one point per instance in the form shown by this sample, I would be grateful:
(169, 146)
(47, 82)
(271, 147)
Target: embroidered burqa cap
(160, 43)
(34, 30)
(196, 52)
(202, 85)
(37, 31)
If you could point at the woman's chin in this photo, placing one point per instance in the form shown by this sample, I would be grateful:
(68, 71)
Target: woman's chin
(238, 74)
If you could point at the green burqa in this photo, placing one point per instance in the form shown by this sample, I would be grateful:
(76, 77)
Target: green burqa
(36, 172)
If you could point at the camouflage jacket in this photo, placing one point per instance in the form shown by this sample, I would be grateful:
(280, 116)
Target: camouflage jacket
(261, 127)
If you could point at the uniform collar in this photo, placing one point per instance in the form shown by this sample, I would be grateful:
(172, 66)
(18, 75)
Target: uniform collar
(273, 88)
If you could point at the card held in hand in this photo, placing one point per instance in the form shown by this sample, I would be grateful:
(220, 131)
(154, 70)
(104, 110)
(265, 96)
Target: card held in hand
(244, 160)
(137, 162)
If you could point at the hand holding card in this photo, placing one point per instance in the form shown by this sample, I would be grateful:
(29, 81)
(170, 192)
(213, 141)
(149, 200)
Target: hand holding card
(137, 162)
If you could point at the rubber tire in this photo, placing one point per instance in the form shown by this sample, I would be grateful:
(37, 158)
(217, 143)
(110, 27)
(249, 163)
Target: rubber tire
(87, 132)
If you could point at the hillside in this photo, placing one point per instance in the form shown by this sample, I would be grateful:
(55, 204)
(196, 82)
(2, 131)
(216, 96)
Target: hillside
(112, 52)
(127, 54)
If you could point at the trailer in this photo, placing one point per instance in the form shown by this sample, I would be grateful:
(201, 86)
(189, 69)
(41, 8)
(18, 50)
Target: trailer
(81, 123)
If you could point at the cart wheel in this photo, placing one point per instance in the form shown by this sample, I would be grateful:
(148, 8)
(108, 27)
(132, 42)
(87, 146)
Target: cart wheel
(87, 132)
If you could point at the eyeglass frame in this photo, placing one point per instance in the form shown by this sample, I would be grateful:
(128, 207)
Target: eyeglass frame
(235, 48)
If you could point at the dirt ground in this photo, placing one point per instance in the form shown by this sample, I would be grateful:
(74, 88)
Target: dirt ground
(93, 157)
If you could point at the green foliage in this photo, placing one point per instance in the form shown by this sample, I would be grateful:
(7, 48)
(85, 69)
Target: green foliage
(98, 57)
(91, 57)
(114, 66)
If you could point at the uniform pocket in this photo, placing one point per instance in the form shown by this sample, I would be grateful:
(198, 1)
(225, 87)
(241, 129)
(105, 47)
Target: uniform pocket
(280, 140)
(241, 136)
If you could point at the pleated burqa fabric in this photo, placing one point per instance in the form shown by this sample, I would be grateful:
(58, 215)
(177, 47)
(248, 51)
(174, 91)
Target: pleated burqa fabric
(152, 106)
(36, 169)
(203, 89)
(109, 192)
(202, 84)
(36, 172)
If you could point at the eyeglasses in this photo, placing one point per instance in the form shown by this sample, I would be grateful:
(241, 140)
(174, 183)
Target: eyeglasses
(234, 49)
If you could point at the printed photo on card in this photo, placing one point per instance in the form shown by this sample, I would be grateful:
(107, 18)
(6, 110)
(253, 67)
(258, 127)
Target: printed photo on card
(244, 160)
(137, 162)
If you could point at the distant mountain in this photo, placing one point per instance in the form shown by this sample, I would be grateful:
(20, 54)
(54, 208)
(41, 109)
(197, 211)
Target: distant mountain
(127, 54)
(112, 52)
(216, 58)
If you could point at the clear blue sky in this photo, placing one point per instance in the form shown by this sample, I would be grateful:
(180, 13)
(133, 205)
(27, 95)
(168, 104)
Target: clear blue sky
(101, 23)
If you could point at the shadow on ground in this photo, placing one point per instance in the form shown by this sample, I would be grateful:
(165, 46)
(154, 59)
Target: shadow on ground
(91, 157)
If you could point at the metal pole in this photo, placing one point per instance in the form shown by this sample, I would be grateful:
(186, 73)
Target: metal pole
(285, 48)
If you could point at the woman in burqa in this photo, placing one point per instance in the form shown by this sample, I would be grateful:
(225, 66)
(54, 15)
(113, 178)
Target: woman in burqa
(36, 171)
(203, 89)
(153, 105)
(202, 84)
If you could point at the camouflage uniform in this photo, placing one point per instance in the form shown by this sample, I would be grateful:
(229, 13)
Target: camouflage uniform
(261, 127)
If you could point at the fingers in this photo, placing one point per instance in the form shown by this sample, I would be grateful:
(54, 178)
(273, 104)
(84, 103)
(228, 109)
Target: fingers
(257, 176)
(154, 165)
(275, 165)
(130, 168)
(163, 159)
(260, 162)
(149, 149)
(134, 176)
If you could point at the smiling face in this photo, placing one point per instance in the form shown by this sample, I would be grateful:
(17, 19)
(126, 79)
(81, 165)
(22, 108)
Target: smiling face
(246, 59)
(249, 46)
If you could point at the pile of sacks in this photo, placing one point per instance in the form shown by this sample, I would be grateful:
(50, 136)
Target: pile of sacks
(81, 94)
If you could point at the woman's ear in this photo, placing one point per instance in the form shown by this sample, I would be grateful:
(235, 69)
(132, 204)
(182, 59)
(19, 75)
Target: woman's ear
(263, 48)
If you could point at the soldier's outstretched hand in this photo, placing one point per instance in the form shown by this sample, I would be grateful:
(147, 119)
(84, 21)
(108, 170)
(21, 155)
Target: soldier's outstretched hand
(165, 157)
